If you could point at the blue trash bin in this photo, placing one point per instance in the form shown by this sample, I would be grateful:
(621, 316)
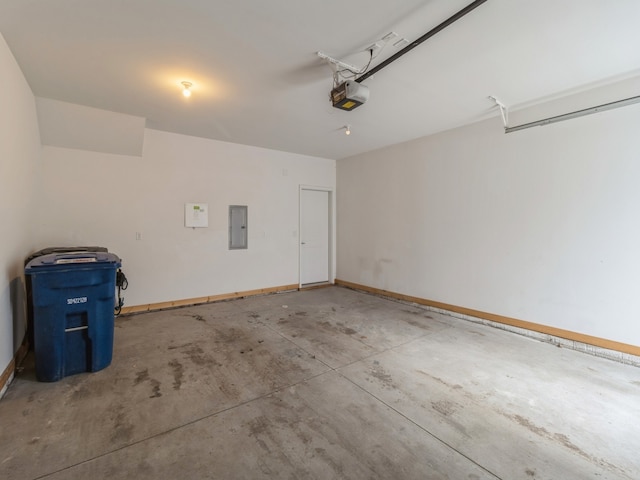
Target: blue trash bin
(73, 318)
(40, 253)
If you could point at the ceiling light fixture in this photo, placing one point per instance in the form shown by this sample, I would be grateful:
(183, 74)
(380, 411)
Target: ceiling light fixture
(347, 129)
(186, 91)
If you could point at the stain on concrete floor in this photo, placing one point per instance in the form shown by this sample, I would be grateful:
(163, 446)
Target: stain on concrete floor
(307, 399)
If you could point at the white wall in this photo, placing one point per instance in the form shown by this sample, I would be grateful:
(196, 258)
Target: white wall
(90, 198)
(19, 160)
(540, 225)
(68, 125)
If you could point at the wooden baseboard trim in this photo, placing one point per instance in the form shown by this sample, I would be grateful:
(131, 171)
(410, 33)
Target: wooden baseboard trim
(21, 353)
(513, 322)
(202, 300)
(7, 375)
(314, 286)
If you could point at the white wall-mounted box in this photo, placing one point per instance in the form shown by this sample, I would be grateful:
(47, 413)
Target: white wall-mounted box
(196, 215)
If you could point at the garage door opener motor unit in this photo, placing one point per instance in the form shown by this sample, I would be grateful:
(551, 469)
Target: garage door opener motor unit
(349, 95)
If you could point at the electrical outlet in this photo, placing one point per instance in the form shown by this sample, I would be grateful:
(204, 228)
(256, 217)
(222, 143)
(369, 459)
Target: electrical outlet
(373, 48)
(138, 236)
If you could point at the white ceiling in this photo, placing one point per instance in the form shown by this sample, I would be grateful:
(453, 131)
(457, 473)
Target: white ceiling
(257, 80)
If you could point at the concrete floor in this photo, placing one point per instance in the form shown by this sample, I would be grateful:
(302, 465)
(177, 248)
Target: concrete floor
(328, 384)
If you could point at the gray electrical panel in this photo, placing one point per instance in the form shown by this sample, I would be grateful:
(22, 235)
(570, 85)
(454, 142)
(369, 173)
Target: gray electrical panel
(238, 228)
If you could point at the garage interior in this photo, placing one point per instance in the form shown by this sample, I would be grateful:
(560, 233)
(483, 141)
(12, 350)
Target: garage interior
(325, 383)
(439, 283)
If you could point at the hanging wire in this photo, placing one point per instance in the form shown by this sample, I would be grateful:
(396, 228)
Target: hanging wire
(340, 74)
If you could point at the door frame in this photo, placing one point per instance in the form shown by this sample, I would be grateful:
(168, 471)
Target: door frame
(332, 230)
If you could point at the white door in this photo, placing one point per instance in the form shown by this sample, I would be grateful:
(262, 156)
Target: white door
(314, 236)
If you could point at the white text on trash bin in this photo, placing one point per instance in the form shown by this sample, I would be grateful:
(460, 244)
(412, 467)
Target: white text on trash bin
(73, 301)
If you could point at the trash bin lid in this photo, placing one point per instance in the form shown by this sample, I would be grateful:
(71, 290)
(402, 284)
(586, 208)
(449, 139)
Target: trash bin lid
(73, 260)
(49, 250)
